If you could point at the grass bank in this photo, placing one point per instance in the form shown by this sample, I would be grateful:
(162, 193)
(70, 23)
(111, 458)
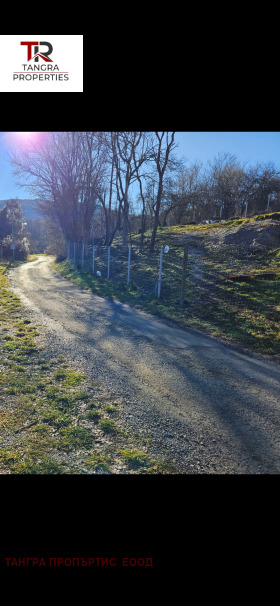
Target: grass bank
(245, 312)
(53, 418)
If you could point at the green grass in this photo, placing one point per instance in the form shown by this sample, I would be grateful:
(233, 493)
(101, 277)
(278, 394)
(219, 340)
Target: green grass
(108, 426)
(141, 462)
(72, 438)
(69, 377)
(134, 460)
(99, 463)
(112, 410)
(93, 415)
(275, 216)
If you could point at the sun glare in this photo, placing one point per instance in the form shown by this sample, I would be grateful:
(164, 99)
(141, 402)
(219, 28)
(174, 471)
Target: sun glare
(31, 136)
(22, 139)
(22, 134)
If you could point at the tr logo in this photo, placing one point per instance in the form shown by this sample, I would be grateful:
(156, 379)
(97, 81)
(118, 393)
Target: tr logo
(44, 55)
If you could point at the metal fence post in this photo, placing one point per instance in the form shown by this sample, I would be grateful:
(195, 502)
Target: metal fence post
(93, 256)
(160, 271)
(108, 272)
(184, 273)
(128, 268)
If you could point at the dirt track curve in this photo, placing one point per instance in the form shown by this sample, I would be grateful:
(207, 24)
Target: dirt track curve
(213, 407)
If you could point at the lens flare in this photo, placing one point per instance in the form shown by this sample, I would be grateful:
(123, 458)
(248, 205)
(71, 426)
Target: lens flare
(24, 136)
(22, 139)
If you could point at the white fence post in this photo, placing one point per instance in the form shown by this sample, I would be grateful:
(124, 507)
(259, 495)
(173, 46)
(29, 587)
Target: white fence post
(160, 271)
(93, 256)
(128, 268)
(184, 274)
(108, 272)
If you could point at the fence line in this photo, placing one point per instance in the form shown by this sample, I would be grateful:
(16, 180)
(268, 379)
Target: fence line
(155, 274)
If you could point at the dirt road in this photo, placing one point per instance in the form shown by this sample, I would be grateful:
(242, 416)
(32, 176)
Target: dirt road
(211, 407)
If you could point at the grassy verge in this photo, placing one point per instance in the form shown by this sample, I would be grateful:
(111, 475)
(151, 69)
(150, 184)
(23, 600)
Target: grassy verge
(246, 313)
(53, 418)
(204, 228)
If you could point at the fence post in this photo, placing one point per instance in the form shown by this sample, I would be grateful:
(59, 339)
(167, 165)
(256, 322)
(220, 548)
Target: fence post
(184, 273)
(93, 256)
(128, 268)
(108, 272)
(160, 271)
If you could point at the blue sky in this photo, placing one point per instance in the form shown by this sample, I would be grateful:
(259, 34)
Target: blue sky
(249, 147)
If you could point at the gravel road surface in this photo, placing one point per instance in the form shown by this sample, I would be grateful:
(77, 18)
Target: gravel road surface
(211, 407)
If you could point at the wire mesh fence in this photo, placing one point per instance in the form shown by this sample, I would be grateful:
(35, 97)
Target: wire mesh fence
(159, 274)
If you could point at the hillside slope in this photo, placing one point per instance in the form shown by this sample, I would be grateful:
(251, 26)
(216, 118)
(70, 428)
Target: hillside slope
(245, 311)
(255, 235)
(29, 207)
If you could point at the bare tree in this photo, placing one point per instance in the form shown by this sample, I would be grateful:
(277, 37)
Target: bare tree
(130, 153)
(232, 189)
(108, 189)
(161, 155)
(184, 194)
(64, 171)
(223, 182)
(266, 187)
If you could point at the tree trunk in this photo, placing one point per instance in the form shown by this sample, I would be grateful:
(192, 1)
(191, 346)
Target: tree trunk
(156, 219)
(143, 227)
(125, 222)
